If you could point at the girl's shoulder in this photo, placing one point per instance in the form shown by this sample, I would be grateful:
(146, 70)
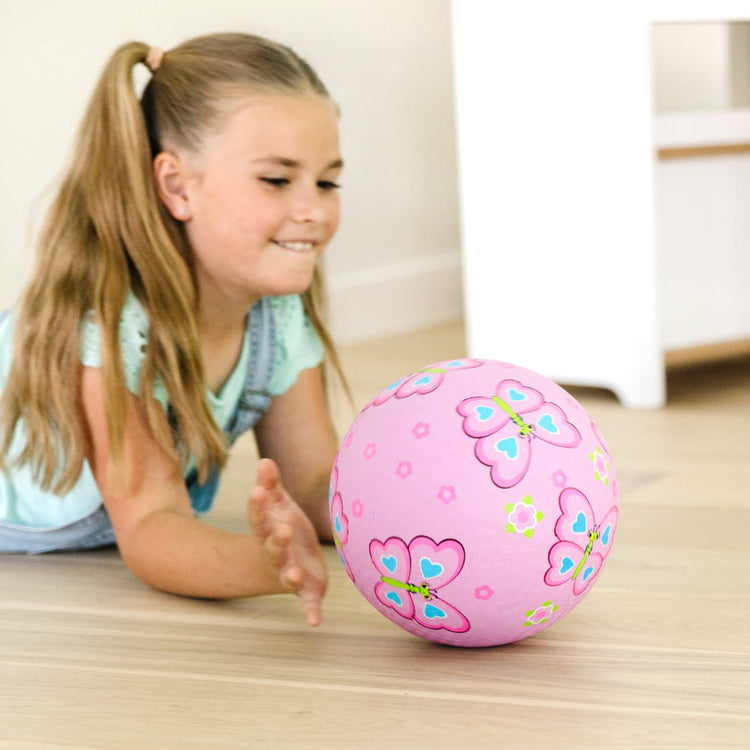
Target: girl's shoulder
(134, 327)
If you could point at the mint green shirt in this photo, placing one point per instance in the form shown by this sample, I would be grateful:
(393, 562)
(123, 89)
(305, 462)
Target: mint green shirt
(24, 504)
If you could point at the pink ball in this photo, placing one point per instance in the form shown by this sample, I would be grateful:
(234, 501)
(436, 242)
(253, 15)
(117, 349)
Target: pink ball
(473, 503)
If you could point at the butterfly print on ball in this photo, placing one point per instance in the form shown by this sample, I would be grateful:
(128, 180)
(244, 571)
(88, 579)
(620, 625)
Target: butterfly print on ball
(423, 381)
(411, 576)
(339, 520)
(507, 424)
(583, 543)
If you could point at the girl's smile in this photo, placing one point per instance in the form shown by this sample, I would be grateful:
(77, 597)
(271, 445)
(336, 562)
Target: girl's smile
(296, 246)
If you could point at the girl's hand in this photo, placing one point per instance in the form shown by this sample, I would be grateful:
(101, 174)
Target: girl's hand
(285, 534)
(297, 433)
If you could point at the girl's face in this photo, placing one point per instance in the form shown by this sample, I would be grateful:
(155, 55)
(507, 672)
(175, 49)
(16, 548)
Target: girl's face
(260, 201)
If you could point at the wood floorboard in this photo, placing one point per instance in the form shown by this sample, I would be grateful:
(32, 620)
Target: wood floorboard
(658, 656)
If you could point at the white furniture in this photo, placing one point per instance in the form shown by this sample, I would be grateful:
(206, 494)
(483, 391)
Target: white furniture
(702, 214)
(563, 266)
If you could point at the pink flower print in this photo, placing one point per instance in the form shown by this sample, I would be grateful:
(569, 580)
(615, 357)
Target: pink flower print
(523, 517)
(404, 469)
(483, 593)
(447, 494)
(540, 615)
(357, 508)
(421, 430)
(601, 467)
(560, 479)
(369, 451)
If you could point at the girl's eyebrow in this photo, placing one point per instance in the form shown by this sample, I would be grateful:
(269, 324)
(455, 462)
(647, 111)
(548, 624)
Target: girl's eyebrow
(283, 161)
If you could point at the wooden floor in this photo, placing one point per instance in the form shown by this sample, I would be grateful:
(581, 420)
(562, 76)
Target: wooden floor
(658, 656)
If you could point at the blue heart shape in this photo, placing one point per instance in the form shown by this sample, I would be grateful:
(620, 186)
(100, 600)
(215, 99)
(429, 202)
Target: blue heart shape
(434, 612)
(389, 562)
(395, 598)
(430, 569)
(605, 536)
(508, 446)
(484, 412)
(516, 395)
(424, 380)
(580, 526)
(566, 564)
(587, 573)
(547, 422)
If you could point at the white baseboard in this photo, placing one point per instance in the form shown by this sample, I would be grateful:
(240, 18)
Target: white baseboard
(394, 299)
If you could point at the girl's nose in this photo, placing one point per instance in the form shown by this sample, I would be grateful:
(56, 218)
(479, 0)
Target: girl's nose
(310, 205)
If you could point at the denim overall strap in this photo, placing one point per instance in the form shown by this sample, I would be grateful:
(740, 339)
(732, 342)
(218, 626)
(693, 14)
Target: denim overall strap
(254, 400)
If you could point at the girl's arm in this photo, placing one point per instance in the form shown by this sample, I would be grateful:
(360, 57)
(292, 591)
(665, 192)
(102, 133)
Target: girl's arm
(167, 548)
(297, 433)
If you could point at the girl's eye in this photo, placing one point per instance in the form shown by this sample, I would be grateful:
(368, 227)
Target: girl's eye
(276, 181)
(328, 185)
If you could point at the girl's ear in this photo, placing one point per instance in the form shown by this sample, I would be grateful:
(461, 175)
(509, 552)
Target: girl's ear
(169, 172)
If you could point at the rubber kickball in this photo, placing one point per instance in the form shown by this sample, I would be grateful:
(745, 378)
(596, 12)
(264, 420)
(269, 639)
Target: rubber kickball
(474, 502)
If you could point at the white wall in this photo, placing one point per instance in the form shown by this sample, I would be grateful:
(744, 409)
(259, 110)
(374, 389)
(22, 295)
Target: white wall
(689, 63)
(700, 66)
(395, 264)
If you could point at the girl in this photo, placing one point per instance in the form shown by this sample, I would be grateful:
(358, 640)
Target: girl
(175, 305)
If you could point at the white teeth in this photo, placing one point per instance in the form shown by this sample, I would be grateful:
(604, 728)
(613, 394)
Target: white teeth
(296, 246)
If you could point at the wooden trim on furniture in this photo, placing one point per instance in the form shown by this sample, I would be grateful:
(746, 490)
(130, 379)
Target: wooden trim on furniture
(707, 353)
(692, 152)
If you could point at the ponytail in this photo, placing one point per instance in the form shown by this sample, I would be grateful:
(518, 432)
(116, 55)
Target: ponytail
(106, 233)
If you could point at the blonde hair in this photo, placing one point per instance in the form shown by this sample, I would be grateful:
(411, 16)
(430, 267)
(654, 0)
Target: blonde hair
(107, 232)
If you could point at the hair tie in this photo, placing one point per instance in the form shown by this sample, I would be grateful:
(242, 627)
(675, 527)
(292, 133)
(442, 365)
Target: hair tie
(154, 58)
